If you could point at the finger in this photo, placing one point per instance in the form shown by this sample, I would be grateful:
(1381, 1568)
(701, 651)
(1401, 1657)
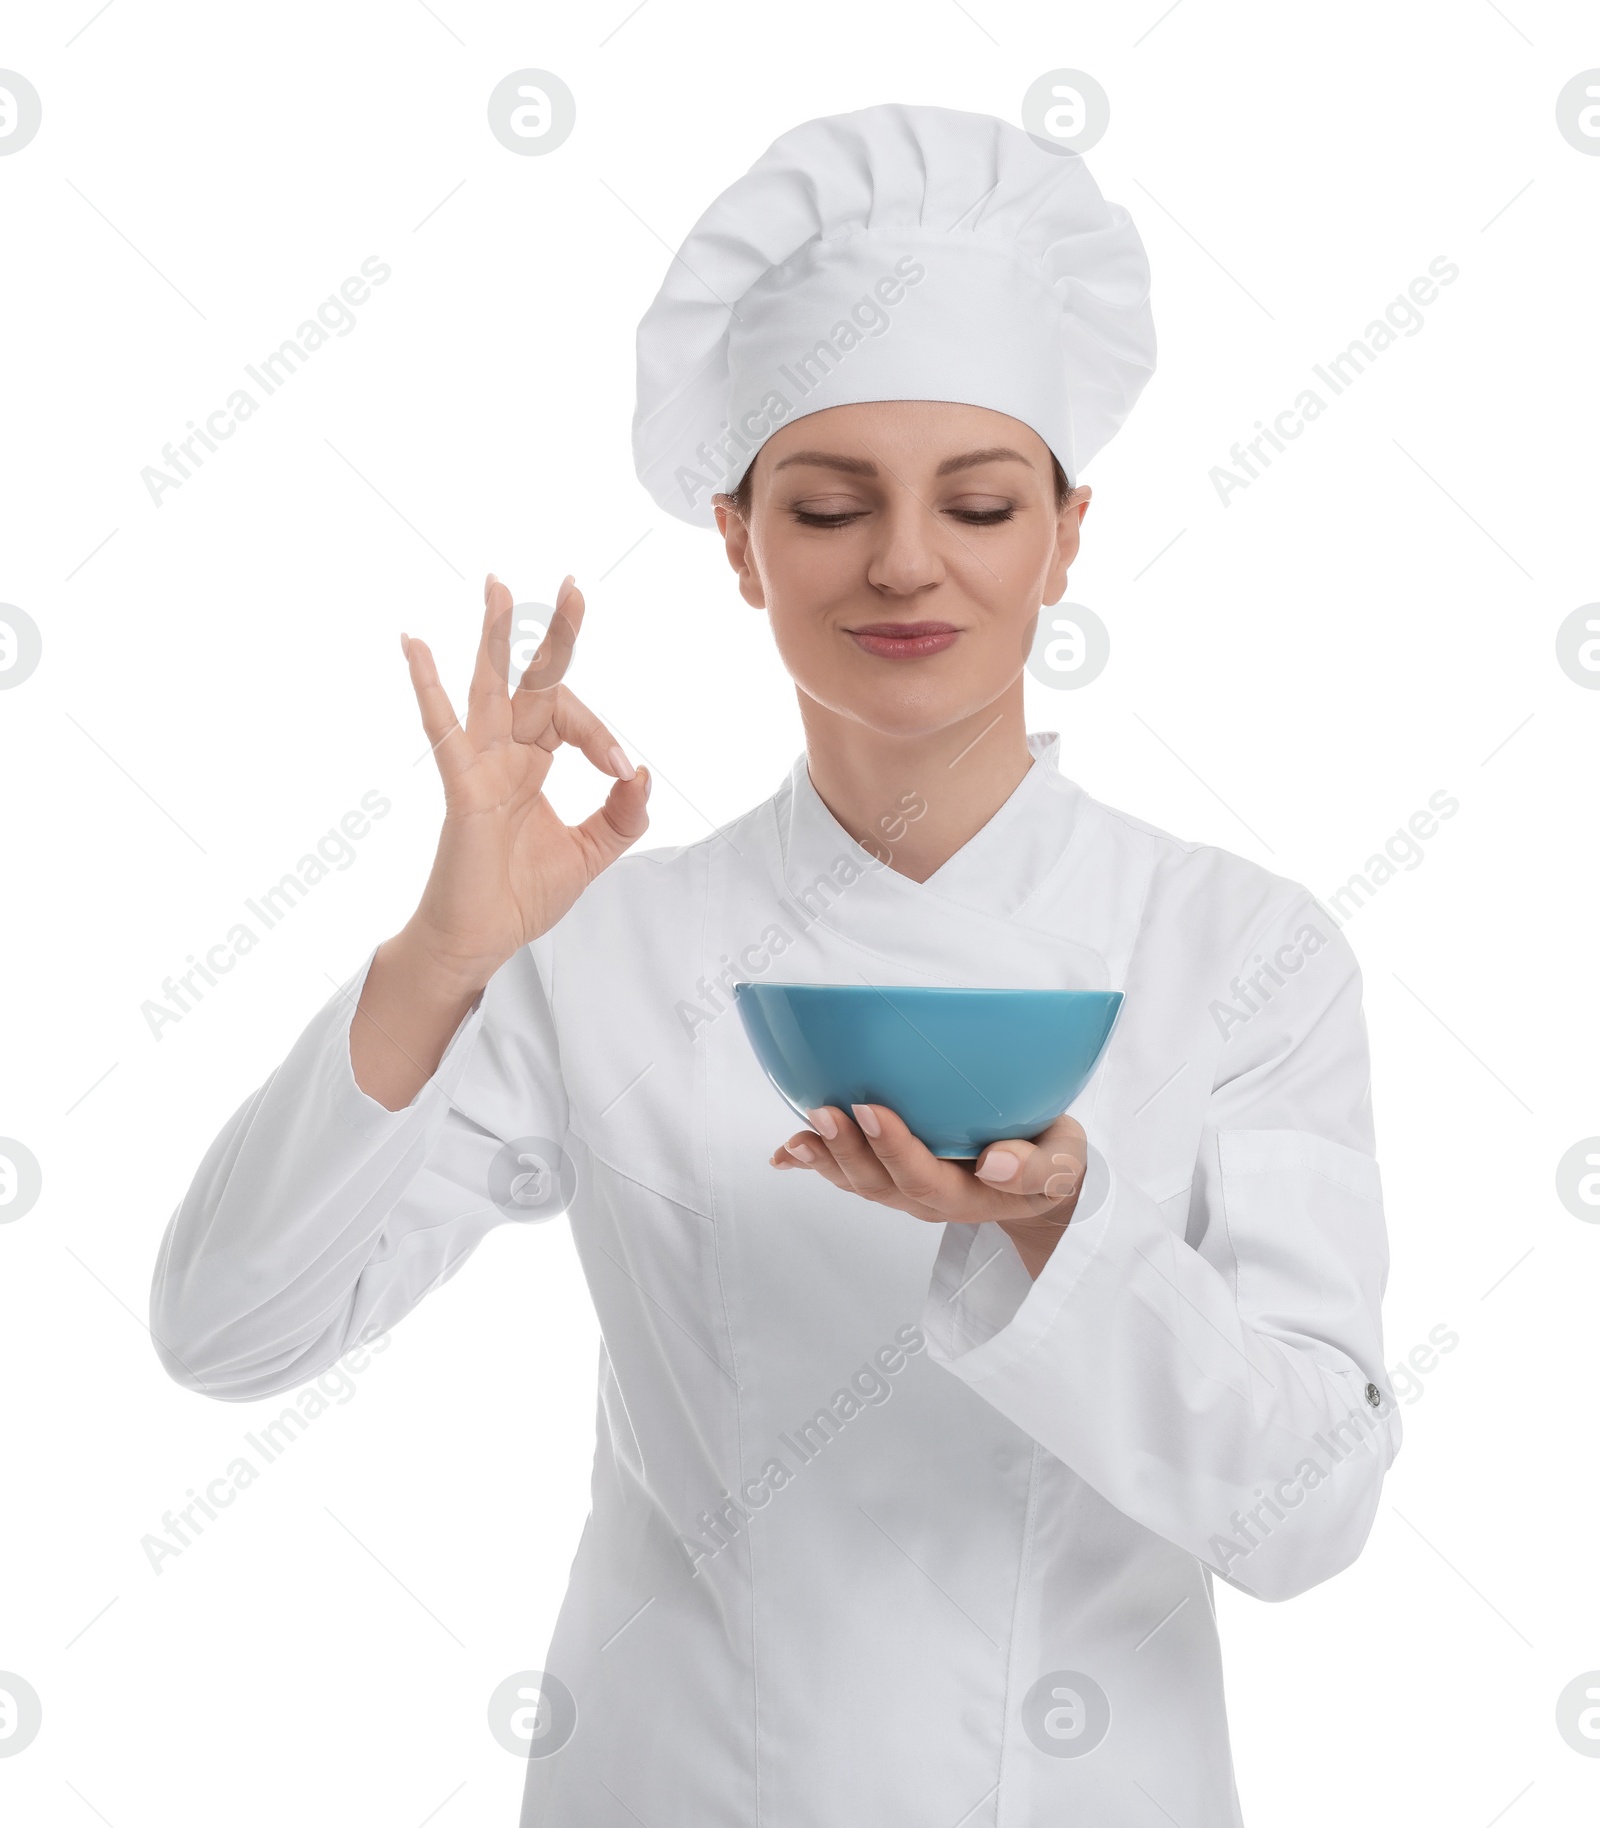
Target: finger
(452, 751)
(552, 718)
(847, 1148)
(913, 1167)
(808, 1150)
(800, 1151)
(547, 666)
(1052, 1166)
(489, 695)
(621, 821)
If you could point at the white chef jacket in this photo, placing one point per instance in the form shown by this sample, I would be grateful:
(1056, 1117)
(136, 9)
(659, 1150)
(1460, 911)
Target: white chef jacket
(924, 1541)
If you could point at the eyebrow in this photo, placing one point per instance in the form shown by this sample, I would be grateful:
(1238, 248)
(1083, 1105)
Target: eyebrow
(830, 460)
(969, 460)
(859, 466)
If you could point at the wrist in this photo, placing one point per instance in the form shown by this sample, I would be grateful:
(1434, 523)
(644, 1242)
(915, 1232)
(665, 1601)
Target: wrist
(1033, 1240)
(430, 974)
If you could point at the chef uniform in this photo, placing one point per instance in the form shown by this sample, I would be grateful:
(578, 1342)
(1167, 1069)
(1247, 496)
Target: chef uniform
(882, 1531)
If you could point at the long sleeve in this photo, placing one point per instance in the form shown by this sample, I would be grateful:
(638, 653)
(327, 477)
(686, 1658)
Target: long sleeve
(318, 1218)
(1229, 1393)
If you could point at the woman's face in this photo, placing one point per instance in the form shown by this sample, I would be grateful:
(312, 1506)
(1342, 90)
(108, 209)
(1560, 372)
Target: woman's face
(902, 550)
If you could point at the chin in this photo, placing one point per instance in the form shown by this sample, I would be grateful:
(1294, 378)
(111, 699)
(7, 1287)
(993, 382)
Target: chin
(906, 712)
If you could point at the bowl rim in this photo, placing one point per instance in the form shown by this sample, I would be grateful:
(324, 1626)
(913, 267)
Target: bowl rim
(955, 990)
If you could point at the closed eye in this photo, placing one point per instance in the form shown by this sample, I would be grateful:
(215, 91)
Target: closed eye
(809, 517)
(969, 517)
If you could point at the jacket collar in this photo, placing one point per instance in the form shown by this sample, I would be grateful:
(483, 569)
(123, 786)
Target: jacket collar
(992, 915)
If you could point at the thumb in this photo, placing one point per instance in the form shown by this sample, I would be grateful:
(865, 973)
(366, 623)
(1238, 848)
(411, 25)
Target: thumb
(1053, 1165)
(619, 823)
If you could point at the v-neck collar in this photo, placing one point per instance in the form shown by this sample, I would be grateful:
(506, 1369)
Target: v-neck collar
(993, 873)
(1040, 897)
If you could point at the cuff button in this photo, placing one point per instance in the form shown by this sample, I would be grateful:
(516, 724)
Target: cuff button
(1374, 1395)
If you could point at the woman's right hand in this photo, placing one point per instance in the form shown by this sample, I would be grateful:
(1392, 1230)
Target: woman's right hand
(507, 867)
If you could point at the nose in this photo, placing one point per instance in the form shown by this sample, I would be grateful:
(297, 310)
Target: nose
(906, 557)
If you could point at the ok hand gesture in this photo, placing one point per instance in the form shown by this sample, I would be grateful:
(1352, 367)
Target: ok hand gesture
(507, 866)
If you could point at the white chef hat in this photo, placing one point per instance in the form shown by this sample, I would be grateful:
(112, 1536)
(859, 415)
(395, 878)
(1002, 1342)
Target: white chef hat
(897, 253)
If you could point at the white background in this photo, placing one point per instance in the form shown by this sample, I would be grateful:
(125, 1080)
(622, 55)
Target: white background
(1371, 621)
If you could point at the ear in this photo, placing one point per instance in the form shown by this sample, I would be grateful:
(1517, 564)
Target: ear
(736, 543)
(1069, 522)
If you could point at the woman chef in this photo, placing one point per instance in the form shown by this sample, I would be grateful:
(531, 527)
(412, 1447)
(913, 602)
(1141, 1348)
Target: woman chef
(912, 1477)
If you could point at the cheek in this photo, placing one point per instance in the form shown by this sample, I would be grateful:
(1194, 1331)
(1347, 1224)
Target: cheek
(802, 580)
(798, 566)
(806, 644)
(1006, 579)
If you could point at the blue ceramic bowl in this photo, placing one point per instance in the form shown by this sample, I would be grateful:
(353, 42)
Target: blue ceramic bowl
(964, 1068)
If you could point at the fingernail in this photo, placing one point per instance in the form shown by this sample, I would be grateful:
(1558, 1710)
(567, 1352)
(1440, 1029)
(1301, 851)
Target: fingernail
(561, 594)
(1001, 1166)
(801, 1151)
(621, 766)
(823, 1124)
(867, 1118)
(649, 782)
(405, 644)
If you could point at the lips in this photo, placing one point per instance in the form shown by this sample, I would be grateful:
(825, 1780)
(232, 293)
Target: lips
(904, 640)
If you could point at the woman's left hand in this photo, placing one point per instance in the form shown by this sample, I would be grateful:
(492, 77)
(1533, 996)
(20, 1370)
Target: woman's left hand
(1028, 1188)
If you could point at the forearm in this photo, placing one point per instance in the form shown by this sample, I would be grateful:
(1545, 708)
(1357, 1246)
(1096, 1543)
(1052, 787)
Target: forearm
(315, 1215)
(1129, 1358)
(408, 1012)
(318, 1216)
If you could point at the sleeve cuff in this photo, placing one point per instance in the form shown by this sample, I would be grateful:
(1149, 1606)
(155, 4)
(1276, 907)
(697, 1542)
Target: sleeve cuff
(440, 1085)
(983, 1308)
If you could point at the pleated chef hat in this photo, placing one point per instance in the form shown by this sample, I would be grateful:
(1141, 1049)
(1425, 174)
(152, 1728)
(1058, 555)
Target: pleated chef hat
(896, 253)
